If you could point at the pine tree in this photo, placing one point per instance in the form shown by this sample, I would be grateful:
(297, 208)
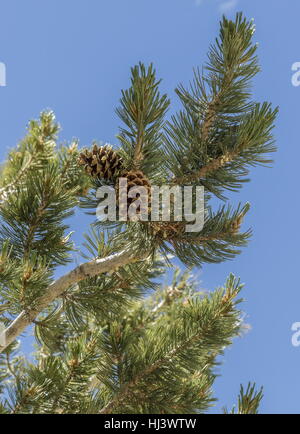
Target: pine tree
(109, 337)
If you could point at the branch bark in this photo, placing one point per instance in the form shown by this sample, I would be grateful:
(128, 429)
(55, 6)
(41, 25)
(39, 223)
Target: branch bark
(56, 289)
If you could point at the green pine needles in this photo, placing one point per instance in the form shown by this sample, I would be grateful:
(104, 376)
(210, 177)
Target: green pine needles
(109, 336)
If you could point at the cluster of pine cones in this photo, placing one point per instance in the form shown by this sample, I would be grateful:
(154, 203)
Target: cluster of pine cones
(103, 162)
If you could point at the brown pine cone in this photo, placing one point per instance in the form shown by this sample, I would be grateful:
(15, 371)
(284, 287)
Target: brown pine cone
(135, 178)
(101, 162)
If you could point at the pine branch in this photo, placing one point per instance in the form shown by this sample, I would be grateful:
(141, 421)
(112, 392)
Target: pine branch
(196, 338)
(142, 110)
(220, 132)
(248, 400)
(37, 147)
(121, 397)
(232, 230)
(75, 368)
(56, 289)
(11, 187)
(206, 170)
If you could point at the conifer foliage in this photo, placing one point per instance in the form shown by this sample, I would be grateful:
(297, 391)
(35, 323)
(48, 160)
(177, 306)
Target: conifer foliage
(109, 337)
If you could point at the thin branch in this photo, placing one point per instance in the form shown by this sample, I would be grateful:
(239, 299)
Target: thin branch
(207, 124)
(138, 155)
(210, 116)
(213, 165)
(123, 393)
(212, 106)
(233, 230)
(56, 289)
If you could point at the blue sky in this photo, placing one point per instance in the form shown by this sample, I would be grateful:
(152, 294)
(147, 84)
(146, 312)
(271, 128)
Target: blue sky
(74, 57)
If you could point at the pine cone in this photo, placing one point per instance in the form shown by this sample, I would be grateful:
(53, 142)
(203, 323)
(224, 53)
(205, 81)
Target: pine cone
(101, 162)
(135, 178)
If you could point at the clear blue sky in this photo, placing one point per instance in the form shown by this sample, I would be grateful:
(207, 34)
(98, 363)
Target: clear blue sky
(73, 56)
